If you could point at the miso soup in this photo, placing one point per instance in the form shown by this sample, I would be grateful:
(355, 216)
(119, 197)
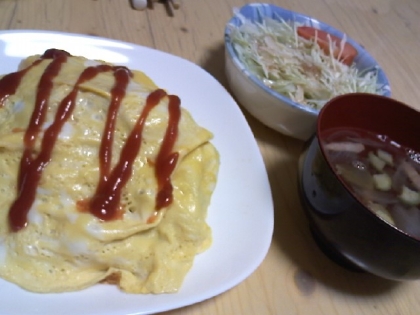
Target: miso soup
(382, 174)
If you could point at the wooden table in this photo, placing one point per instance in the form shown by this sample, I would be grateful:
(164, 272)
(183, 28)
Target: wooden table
(295, 278)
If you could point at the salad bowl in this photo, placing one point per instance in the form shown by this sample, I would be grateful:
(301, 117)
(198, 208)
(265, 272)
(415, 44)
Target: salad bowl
(278, 110)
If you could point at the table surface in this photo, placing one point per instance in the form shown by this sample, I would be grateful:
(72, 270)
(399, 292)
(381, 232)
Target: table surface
(295, 277)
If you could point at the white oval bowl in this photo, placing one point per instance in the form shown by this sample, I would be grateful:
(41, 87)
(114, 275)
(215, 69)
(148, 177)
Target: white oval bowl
(268, 106)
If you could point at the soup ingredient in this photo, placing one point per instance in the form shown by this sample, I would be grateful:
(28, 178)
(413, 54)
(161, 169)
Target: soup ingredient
(382, 181)
(357, 176)
(345, 146)
(376, 162)
(381, 212)
(104, 178)
(384, 175)
(295, 66)
(412, 174)
(386, 157)
(330, 44)
(407, 219)
(409, 197)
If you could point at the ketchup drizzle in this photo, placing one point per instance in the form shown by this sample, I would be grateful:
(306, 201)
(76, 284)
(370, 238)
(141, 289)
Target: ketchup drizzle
(31, 168)
(105, 203)
(166, 159)
(106, 200)
(122, 76)
(10, 82)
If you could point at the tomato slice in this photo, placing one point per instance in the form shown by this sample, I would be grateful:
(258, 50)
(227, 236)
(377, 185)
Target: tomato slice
(347, 55)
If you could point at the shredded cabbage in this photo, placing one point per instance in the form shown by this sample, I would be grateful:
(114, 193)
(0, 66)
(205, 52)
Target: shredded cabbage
(296, 67)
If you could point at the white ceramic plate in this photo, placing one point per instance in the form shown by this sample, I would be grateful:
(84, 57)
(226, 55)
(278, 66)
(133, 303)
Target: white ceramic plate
(241, 212)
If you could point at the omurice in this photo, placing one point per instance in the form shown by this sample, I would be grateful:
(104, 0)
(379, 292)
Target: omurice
(104, 177)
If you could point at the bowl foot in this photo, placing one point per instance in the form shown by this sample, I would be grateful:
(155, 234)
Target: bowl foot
(332, 253)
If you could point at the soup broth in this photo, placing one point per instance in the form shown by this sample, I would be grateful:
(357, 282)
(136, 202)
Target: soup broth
(382, 174)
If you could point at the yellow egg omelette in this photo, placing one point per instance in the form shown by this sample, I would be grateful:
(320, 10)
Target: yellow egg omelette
(104, 178)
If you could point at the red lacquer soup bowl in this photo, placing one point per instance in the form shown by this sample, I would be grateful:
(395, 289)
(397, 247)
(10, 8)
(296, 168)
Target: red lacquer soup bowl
(359, 184)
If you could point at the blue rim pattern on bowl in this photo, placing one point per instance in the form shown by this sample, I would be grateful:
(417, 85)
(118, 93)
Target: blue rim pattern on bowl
(256, 11)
